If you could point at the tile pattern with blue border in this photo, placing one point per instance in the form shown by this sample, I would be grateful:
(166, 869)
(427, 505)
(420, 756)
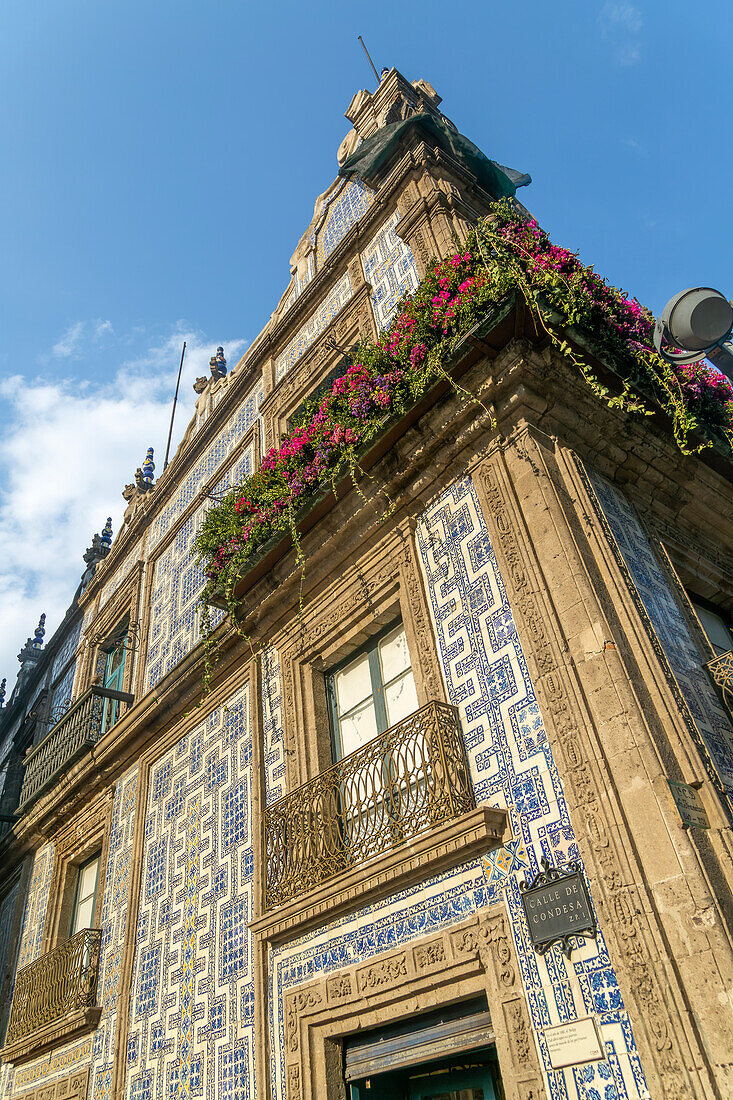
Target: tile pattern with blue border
(34, 916)
(337, 298)
(67, 649)
(53, 1066)
(230, 435)
(120, 574)
(671, 628)
(346, 207)
(272, 726)
(114, 925)
(390, 269)
(192, 1002)
(175, 619)
(511, 766)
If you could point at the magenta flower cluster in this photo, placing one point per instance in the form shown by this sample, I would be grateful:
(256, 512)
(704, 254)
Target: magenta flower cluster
(392, 373)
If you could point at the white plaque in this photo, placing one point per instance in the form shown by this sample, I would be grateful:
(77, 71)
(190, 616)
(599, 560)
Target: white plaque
(572, 1043)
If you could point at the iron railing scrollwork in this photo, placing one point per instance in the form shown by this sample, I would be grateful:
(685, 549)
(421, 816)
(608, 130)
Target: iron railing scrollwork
(78, 729)
(55, 984)
(409, 779)
(721, 670)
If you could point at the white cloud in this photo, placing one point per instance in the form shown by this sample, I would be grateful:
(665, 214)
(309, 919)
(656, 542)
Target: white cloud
(66, 453)
(81, 336)
(622, 24)
(70, 342)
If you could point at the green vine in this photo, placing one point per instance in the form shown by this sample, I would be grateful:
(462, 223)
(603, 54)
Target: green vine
(505, 254)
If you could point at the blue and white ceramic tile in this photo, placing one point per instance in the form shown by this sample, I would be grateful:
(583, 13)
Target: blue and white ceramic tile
(34, 916)
(272, 727)
(337, 298)
(192, 1004)
(511, 766)
(120, 574)
(175, 620)
(342, 211)
(671, 627)
(66, 650)
(114, 926)
(217, 452)
(389, 267)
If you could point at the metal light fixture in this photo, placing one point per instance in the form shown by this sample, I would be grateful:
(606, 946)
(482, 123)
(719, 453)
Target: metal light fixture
(697, 324)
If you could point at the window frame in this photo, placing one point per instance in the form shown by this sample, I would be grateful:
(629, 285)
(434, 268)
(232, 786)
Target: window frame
(79, 869)
(370, 647)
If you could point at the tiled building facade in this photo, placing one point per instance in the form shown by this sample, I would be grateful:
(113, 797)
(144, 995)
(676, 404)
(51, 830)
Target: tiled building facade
(548, 575)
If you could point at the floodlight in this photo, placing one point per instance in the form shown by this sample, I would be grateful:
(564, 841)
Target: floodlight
(695, 324)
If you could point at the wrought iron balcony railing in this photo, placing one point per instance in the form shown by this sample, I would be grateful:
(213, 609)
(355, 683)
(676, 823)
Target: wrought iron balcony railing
(58, 983)
(411, 778)
(80, 728)
(721, 670)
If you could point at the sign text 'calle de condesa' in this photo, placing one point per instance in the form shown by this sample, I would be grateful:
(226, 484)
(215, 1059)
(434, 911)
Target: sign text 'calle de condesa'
(557, 906)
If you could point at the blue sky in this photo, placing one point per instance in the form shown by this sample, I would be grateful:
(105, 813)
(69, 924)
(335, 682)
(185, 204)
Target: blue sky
(160, 161)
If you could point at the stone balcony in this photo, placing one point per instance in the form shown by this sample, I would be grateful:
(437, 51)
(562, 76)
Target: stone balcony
(75, 733)
(54, 997)
(408, 780)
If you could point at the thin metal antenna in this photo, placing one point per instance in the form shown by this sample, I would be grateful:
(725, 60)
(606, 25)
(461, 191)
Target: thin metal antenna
(173, 410)
(366, 51)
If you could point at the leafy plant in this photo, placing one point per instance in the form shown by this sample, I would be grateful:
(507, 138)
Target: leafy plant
(506, 253)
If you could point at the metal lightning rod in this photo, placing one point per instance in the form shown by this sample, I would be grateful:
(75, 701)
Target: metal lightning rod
(173, 410)
(366, 51)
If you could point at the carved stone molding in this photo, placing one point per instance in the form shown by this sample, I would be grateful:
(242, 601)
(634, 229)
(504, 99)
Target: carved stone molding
(457, 963)
(627, 929)
(73, 1087)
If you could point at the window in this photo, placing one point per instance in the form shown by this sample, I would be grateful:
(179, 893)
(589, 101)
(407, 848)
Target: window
(113, 676)
(716, 627)
(373, 691)
(86, 895)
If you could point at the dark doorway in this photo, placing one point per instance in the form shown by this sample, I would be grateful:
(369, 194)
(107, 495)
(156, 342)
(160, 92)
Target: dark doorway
(447, 1054)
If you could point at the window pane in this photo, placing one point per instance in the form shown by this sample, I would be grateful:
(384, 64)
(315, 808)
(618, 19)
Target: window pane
(353, 685)
(394, 654)
(84, 914)
(400, 698)
(714, 626)
(358, 728)
(88, 878)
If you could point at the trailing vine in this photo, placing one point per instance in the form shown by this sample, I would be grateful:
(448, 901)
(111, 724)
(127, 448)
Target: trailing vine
(505, 254)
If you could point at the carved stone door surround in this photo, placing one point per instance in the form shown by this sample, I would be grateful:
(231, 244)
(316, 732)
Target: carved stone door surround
(460, 962)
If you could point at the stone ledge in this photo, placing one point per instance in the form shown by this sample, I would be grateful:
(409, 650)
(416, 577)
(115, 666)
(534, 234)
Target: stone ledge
(52, 1035)
(445, 846)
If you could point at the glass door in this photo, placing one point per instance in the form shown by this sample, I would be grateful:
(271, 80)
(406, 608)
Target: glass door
(114, 676)
(473, 1084)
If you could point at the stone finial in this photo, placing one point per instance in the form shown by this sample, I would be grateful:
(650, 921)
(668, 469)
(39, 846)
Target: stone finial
(200, 384)
(31, 651)
(106, 537)
(39, 632)
(98, 551)
(2, 692)
(144, 475)
(218, 364)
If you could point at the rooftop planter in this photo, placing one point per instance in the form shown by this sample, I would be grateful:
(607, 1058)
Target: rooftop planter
(432, 340)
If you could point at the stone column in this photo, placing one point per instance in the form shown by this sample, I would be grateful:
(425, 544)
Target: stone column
(646, 877)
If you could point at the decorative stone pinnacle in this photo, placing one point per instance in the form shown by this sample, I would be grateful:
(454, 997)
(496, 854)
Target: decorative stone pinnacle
(144, 475)
(106, 538)
(31, 651)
